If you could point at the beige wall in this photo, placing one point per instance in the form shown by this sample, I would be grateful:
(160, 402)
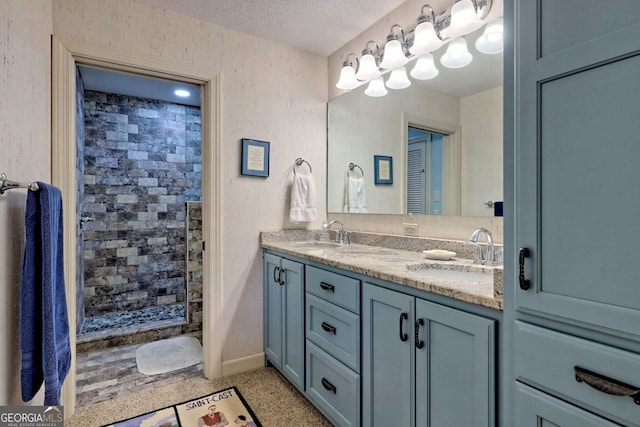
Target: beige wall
(481, 168)
(269, 92)
(25, 29)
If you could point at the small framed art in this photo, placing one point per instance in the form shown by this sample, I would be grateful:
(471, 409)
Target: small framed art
(383, 169)
(255, 157)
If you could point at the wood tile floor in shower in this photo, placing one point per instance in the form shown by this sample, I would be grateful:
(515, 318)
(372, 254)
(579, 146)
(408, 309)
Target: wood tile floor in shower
(106, 374)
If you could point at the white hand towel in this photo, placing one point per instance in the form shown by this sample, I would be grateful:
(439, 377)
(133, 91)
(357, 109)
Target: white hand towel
(355, 196)
(303, 199)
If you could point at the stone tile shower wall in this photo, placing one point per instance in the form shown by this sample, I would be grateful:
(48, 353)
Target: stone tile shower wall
(142, 165)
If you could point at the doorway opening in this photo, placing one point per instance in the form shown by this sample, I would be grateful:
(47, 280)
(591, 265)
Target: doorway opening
(139, 187)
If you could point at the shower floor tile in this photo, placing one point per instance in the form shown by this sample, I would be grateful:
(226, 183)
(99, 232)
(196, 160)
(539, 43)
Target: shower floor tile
(110, 373)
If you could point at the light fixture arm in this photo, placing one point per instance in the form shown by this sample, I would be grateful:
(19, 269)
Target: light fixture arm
(368, 51)
(347, 63)
(394, 36)
(423, 17)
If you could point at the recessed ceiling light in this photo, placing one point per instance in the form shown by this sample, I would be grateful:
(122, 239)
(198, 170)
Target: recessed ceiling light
(182, 93)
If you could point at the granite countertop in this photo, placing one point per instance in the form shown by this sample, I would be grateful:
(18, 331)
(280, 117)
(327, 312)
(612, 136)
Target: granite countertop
(404, 267)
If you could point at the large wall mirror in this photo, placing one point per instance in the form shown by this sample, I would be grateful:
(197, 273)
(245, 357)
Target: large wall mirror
(443, 138)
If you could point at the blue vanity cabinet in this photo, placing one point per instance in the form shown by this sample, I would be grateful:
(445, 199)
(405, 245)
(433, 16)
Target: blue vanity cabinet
(572, 302)
(284, 317)
(425, 364)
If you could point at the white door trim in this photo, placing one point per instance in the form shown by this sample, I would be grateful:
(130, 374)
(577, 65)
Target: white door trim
(66, 54)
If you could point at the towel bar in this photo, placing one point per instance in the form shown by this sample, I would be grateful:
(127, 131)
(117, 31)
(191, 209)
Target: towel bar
(299, 162)
(6, 184)
(352, 166)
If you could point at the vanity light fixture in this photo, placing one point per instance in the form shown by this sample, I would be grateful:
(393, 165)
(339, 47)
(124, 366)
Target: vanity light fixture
(348, 78)
(491, 40)
(430, 34)
(425, 36)
(398, 78)
(457, 54)
(464, 18)
(368, 68)
(425, 68)
(376, 88)
(393, 55)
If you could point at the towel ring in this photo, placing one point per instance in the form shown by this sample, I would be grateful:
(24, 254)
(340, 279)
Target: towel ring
(299, 161)
(352, 166)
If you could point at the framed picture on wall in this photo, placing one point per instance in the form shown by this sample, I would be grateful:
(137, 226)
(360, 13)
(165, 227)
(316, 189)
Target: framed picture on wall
(255, 157)
(383, 169)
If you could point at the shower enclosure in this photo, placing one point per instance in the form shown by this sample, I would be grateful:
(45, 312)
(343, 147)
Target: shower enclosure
(139, 217)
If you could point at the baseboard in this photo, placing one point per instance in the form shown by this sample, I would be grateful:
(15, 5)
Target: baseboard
(242, 364)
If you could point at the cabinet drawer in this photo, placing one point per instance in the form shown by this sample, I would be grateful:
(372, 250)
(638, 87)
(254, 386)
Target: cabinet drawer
(550, 360)
(336, 288)
(333, 388)
(534, 408)
(334, 329)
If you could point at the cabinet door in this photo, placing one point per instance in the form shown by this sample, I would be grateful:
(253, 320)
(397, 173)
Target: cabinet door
(387, 358)
(536, 409)
(272, 310)
(293, 322)
(455, 367)
(577, 196)
(284, 317)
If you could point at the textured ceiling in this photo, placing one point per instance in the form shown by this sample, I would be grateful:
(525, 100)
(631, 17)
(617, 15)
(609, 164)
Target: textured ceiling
(318, 26)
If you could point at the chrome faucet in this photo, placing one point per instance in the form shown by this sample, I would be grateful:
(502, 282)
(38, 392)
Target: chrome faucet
(341, 235)
(481, 258)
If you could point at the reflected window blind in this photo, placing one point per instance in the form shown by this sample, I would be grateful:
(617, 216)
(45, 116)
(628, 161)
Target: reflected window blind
(415, 179)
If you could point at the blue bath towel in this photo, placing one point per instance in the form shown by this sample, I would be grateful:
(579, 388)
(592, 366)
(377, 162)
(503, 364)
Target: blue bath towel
(44, 328)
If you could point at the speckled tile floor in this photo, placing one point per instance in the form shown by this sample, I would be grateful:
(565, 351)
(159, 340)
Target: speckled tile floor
(112, 373)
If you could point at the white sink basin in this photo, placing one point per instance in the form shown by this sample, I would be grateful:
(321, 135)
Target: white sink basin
(469, 273)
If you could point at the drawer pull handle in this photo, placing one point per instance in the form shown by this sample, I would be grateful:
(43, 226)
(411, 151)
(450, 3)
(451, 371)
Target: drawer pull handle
(327, 327)
(419, 342)
(403, 337)
(524, 283)
(327, 287)
(326, 384)
(606, 384)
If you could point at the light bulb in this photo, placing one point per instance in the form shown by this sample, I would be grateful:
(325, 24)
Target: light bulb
(376, 88)
(425, 39)
(457, 54)
(491, 39)
(398, 79)
(425, 68)
(393, 55)
(368, 69)
(464, 19)
(347, 79)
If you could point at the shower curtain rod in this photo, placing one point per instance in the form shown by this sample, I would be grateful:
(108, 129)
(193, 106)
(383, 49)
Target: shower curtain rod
(6, 184)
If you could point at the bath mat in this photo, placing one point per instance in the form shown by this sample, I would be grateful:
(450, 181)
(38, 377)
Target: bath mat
(168, 355)
(213, 409)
